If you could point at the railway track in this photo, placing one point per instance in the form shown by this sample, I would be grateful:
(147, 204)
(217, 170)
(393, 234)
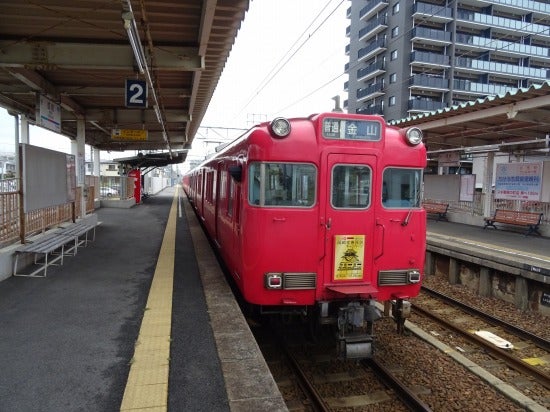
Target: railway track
(314, 380)
(463, 320)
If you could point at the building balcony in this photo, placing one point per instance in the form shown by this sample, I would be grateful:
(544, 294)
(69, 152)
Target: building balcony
(372, 7)
(373, 27)
(425, 105)
(425, 35)
(375, 109)
(467, 18)
(500, 47)
(348, 13)
(511, 70)
(525, 5)
(347, 50)
(372, 70)
(346, 85)
(424, 82)
(371, 50)
(370, 92)
(432, 12)
(427, 59)
(481, 89)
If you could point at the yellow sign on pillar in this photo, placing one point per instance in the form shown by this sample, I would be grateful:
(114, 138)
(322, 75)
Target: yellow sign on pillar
(129, 134)
(349, 257)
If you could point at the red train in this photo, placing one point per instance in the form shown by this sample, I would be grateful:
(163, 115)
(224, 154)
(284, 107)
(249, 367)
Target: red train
(319, 216)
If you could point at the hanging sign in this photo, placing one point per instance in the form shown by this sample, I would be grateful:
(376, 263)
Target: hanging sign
(136, 93)
(48, 114)
(129, 134)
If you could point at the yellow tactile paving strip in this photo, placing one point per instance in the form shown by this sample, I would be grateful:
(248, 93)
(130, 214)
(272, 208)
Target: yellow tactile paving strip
(147, 386)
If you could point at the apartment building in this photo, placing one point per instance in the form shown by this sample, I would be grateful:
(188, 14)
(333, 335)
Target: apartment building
(409, 57)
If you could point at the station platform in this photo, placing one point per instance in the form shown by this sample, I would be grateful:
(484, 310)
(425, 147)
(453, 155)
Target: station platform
(143, 319)
(140, 319)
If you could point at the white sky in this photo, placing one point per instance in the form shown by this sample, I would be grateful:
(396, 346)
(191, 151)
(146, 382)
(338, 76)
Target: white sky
(288, 60)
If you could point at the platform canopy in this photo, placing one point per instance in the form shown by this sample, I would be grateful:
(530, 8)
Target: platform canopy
(140, 73)
(511, 122)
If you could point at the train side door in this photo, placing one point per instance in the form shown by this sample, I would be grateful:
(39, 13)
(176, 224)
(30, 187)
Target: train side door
(348, 220)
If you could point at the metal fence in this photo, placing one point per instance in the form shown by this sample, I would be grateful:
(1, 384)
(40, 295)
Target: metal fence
(475, 207)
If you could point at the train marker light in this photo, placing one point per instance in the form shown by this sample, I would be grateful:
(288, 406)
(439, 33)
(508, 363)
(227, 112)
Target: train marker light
(280, 127)
(414, 136)
(414, 276)
(273, 280)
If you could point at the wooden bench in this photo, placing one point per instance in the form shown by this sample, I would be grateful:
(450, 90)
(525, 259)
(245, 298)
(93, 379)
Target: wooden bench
(439, 209)
(531, 220)
(54, 245)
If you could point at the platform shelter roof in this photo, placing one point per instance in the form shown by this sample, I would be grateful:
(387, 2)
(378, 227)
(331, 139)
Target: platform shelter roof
(95, 59)
(516, 120)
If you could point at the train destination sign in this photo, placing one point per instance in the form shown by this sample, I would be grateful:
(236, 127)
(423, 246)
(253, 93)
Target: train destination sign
(129, 134)
(351, 129)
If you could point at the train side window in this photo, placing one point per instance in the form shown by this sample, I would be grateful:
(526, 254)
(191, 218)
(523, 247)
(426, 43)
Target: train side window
(351, 187)
(401, 187)
(282, 184)
(231, 196)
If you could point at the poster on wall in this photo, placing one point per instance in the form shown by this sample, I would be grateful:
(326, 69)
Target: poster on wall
(467, 187)
(518, 181)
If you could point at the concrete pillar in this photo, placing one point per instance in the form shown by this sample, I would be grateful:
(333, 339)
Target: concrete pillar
(488, 184)
(453, 271)
(96, 160)
(24, 129)
(485, 285)
(521, 297)
(429, 265)
(78, 150)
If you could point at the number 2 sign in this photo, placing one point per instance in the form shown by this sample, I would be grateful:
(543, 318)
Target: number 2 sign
(136, 93)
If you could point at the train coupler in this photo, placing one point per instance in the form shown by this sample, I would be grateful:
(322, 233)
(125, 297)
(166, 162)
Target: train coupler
(401, 310)
(359, 346)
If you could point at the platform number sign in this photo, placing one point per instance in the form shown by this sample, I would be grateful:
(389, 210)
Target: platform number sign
(136, 93)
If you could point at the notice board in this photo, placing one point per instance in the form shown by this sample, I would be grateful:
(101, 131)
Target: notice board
(48, 177)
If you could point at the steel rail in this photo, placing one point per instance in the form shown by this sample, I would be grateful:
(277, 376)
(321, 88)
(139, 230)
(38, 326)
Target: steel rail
(522, 333)
(317, 400)
(515, 363)
(404, 394)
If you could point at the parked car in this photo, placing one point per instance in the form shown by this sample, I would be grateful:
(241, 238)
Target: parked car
(108, 192)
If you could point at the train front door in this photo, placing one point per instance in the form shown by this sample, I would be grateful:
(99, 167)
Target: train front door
(348, 223)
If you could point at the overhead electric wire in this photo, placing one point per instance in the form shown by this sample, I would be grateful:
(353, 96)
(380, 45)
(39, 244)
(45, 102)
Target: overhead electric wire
(278, 66)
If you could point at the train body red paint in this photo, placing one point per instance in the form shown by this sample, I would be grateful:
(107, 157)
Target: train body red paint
(323, 221)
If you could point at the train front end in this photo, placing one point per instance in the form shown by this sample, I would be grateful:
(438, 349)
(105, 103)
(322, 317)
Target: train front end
(339, 200)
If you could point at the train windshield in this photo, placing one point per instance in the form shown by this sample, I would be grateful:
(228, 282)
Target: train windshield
(401, 187)
(351, 186)
(282, 184)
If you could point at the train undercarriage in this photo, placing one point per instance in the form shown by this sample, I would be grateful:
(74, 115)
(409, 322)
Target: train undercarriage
(351, 322)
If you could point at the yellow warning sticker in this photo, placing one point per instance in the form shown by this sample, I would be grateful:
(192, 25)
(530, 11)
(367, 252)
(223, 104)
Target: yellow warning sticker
(349, 256)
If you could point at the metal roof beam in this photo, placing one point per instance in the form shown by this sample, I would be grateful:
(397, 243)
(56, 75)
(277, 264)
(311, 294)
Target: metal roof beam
(133, 116)
(52, 55)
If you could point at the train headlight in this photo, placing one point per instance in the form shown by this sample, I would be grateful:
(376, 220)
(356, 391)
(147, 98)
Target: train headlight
(273, 280)
(414, 136)
(280, 127)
